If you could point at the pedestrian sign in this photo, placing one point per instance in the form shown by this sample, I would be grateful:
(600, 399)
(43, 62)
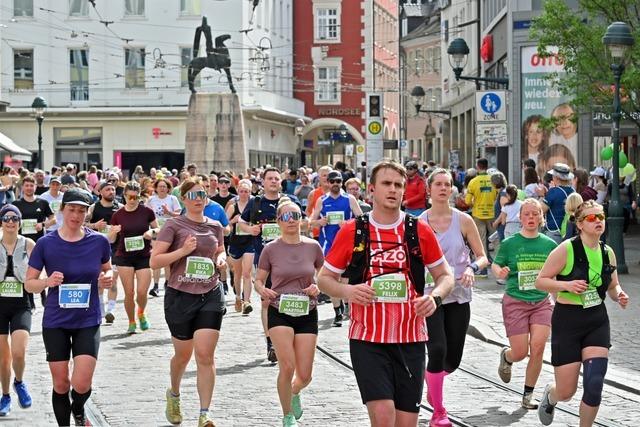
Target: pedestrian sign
(375, 128)
(491, 106)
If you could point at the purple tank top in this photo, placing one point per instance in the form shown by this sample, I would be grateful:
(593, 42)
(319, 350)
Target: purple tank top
(457, 254)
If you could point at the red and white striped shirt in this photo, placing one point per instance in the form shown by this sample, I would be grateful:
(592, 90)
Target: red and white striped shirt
(383, 322)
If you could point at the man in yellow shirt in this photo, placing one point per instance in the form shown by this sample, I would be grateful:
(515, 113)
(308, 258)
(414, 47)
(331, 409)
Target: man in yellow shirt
(481, 196)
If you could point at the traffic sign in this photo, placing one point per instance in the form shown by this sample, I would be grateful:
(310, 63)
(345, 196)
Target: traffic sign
(375, 127)
(491, 106)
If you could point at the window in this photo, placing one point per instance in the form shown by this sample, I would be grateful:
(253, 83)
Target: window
(134, 68)
(420, 63)
(22, 7)
(133, 7)
(437, 55)
(22, 69)
(79, 74)
(327, 25)
(190, 7)
(185, 58)
(327, 84)
(78, 8)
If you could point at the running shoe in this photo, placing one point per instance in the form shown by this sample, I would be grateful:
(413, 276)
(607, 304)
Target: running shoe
(144, 323)
(154, 292)
(337, 321)
(238, 305)
(24, 398)
(271, 355)
(546, 410)
(246, 308)
(440, 419)
(5, 405)
(132, 328)
(527, 403)
(109, 317)
(205, 421)
(504, 369)
(484, 273)
(80, 419)
(173, 412)
(296, 406)
(289, 421)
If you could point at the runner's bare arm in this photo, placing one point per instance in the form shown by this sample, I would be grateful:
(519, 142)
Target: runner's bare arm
(554, 264)
(443, 278)
(472, 236)
(329, 283)
(355, 207)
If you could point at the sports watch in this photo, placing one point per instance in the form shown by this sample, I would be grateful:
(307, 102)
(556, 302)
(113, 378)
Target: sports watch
(437, 299)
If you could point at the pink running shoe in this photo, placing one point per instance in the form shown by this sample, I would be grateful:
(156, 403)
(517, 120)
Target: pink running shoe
(440, 419)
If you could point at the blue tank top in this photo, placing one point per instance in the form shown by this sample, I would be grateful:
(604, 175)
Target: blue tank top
(332, 205)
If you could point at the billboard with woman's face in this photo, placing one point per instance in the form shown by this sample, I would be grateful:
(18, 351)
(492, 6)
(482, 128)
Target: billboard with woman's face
(542, 101)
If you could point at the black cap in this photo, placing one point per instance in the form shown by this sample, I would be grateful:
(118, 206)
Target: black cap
(104, 184)
(77, 197)
(334, 175)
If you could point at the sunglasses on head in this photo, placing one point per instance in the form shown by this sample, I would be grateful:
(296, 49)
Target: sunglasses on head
(10, 218)
(194, 195)
(335, 181)
(288, 216)
(593, 217)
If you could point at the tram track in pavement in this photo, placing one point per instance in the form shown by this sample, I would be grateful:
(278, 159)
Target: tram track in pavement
(327, 353)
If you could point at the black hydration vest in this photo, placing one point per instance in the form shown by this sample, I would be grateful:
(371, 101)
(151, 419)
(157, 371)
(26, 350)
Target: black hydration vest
(358, 269)
(580, 270)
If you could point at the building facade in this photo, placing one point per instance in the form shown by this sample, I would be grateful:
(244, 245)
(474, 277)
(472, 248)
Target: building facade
(343, 50)
(115, 77)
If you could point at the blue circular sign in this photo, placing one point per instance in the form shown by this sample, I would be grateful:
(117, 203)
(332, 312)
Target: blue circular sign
(490, 103)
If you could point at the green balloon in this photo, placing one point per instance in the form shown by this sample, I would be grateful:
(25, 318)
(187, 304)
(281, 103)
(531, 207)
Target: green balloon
(628, 170)
(622, 159)
(606, 153)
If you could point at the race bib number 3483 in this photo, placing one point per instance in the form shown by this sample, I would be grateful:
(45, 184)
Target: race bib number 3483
(294, 305)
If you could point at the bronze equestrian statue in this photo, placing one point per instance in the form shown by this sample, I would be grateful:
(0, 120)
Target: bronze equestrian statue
(217, 58)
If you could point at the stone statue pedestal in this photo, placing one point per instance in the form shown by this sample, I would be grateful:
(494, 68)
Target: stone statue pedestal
(215, 133)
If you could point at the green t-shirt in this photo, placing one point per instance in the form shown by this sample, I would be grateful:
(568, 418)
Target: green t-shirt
(594, 257)
(525, 258)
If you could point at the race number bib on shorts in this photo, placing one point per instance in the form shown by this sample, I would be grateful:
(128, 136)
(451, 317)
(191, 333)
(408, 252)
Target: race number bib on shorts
(199, 267)
(390, 288)
(294, 305)
(270, 231)
(74, 295)
(335, 218)
(11, 288)
(527, 280)
(55, 206)
(29, 226)
(132, 244)
(590, 298)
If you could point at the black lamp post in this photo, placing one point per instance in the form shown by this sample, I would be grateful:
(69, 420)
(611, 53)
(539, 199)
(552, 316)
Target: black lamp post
(39, 105)
(458, 51)
(618, 41)
(417, 96)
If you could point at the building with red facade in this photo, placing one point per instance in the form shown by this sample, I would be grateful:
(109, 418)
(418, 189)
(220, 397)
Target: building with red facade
(342, 50)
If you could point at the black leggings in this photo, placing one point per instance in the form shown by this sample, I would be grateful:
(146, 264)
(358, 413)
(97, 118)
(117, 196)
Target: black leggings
(447, 329)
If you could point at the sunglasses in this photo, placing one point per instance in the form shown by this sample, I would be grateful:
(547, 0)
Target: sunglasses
(133, 197)
(194, 195)
(10, 218)
(593, 217)
(288, 216)
(335, 181)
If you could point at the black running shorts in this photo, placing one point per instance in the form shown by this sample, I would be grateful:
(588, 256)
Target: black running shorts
(185, 313)
(307, 324)
(137, 263)
(389, 372)
(574, 328)
(60, 343)
(14, 319)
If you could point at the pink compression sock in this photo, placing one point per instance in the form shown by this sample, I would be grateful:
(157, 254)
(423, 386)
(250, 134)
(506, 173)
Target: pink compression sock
(435, 382)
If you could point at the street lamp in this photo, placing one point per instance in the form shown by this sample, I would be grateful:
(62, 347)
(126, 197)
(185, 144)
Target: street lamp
(417, 96)
(458, 51)
(299, 127)
(618, 41)
(38, 106)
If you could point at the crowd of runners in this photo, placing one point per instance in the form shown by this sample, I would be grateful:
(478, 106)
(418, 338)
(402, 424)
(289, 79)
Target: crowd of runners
(398, 257)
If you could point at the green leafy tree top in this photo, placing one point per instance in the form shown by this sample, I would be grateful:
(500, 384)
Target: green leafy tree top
(578, 36)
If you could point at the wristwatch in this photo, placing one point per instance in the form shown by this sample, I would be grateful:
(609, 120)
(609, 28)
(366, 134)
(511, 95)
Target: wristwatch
(437, 299)
(474, 267)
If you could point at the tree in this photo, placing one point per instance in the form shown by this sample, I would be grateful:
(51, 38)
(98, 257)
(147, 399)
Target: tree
(578, 36)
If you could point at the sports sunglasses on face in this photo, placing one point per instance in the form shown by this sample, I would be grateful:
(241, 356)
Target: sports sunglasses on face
(193, 195)
(288, 216)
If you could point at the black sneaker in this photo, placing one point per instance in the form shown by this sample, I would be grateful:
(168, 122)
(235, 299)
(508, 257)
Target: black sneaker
(271, 355)
(323, 298)
(337, 321)
(154, 292)
(80, 420)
